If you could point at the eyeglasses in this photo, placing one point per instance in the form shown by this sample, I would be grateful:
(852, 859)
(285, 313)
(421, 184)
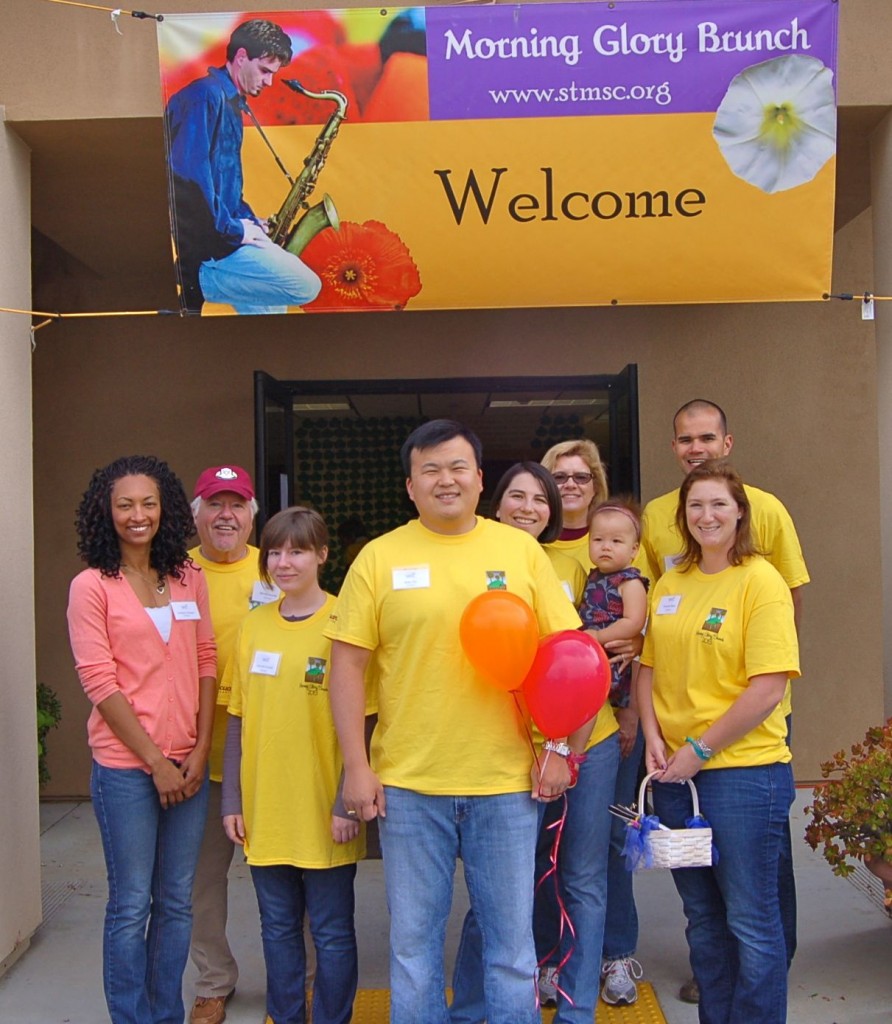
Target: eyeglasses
(578, 478)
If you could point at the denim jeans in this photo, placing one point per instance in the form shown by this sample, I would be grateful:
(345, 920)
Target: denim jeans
(734, 931)
(150, 857)
(582, 875)
(284, 893)
(421, 840)
(259, 279)
(621, 924)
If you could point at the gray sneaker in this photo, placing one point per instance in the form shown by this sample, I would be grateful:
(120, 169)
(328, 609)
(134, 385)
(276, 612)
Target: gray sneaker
(548, 982)
(619, 981)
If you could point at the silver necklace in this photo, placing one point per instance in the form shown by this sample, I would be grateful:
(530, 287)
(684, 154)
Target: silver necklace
(158, 587)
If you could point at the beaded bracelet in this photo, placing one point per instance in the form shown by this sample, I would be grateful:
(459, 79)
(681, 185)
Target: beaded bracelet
(702, 751)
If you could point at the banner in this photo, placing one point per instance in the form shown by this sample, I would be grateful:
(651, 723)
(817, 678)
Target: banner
(579, 154)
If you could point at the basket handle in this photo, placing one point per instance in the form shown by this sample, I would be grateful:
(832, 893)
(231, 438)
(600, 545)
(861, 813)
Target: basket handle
(643, 790)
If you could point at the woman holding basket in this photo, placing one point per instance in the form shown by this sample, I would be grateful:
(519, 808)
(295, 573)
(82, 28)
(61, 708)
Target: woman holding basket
(720, 648)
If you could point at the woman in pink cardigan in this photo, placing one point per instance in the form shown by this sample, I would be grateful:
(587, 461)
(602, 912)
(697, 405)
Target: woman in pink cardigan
(143, 644)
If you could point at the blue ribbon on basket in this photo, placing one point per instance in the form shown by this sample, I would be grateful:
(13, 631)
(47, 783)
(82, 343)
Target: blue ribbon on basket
(636, 848)
(698, 821)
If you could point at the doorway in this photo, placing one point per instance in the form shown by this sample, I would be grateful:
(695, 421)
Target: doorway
(335, 444)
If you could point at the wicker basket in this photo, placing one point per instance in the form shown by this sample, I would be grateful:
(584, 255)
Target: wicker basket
(677, 847)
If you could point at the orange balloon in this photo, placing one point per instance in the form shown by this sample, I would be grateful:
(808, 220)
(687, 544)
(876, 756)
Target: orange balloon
(499, 634)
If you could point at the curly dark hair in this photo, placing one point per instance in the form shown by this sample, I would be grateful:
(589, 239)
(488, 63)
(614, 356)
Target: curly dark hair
(98, 544)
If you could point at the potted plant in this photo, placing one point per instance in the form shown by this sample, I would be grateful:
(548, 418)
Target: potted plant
(852, 812)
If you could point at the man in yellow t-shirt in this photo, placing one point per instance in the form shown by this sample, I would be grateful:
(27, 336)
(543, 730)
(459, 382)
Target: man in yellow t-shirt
(450, 758)
(224, 509)
(700, 432)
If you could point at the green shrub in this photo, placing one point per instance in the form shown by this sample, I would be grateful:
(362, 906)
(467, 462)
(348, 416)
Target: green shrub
(852, 812)
(49, 713)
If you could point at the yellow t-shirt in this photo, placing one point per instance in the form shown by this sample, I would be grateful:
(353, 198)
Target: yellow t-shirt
(577, 549)
(773, 530)
(569, 571)
(708, 636)
(291, 761)
(443, 730)
(231, 590)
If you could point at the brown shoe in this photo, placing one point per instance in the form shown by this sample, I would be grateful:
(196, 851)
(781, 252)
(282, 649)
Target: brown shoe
(209, 1009)
(689, 992)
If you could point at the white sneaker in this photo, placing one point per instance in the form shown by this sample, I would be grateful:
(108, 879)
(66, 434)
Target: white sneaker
(548, 982)
(619, 980)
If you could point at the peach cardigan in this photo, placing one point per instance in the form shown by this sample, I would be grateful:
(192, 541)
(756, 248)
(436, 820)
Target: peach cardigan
(117, 648)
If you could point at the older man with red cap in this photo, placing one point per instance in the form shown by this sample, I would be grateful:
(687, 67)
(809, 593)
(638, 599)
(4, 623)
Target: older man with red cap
(224, 509)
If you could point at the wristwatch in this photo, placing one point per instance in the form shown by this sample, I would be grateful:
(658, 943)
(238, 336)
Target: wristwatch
(557, 747)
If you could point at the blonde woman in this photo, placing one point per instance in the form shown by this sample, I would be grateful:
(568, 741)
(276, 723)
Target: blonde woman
(578, 471)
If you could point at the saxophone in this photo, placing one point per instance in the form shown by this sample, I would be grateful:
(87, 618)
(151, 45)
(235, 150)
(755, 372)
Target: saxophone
(282, 227)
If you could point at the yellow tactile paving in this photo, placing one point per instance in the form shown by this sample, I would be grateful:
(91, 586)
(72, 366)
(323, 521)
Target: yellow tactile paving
(372, 1006)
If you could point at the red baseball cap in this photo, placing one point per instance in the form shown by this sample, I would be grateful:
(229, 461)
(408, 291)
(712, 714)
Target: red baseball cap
(224, 478)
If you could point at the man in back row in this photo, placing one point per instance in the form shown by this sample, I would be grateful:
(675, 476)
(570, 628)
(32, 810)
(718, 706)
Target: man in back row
(700, 432)
(224, 508)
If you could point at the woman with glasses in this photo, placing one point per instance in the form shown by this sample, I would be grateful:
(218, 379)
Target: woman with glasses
(576, 468)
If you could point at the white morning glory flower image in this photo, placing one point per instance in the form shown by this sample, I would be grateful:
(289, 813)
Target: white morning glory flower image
(776, 126)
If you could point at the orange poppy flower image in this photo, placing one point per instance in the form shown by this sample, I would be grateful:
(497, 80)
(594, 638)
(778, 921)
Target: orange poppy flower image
(362, 266)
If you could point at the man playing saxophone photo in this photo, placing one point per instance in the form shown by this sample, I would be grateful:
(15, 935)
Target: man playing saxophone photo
(224, 253)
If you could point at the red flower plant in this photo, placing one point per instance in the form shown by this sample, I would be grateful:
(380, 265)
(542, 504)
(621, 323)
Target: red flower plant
(362, 266)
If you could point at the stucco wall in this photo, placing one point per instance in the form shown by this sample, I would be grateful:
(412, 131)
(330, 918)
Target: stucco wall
(881, 173)
(19, 849)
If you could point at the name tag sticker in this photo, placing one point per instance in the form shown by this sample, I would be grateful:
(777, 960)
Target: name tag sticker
(266, 663)
(185, 610)
(670, 562)
(669, 604)
(567, 589)
(412, 577)
(264, 593)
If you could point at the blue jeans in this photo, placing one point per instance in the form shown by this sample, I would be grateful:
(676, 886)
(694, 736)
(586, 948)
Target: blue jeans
(621, 924)
(582, 875)
(734, 930)
(150, 857)
(421, 839)
(259, 279)
(284, 893)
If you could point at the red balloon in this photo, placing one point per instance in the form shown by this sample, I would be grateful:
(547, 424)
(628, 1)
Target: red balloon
(568, 682)
(499, 632)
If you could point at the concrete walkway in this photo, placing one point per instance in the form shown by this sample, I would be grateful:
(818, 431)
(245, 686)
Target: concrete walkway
(841, 974)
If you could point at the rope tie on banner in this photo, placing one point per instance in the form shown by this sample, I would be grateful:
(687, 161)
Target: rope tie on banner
(115, 12)
(53, 317)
